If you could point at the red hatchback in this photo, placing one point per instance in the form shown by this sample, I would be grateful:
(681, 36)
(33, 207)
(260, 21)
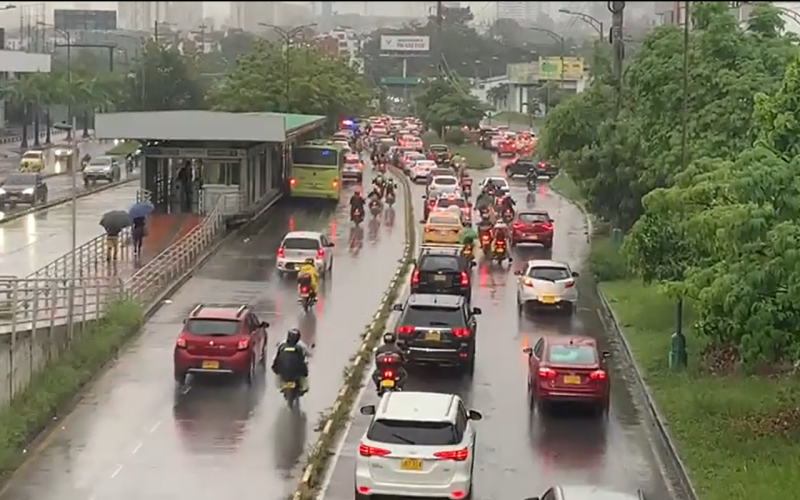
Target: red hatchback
(221, 340)
(567, 369)
(533, 226)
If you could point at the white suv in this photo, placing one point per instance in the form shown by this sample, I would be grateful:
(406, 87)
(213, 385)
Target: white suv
(419, 444)
(298, 246)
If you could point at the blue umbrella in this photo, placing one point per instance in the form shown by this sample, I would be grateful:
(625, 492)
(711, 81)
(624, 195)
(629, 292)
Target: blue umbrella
(140, 210)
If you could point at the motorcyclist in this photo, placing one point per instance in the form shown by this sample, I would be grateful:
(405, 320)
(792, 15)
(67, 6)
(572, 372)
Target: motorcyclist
(389, 347)
(389, 187)
(532, 177)
(499, 233)
(291, 360)
(484, 200)
(508, 203)
(309, 270)
(357, 202)
(467, 237)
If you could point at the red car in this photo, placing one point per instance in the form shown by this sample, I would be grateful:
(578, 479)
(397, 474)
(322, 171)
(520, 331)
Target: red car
(568, 369)
(507, 148)
(534, 226)
(221, 340)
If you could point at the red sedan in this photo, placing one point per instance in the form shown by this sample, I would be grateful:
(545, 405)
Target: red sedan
(507, 148)
(568, 369)
(534, 226)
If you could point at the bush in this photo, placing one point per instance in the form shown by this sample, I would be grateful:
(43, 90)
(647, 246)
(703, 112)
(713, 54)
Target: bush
(606, 261)
(52, 389)
(455, 136)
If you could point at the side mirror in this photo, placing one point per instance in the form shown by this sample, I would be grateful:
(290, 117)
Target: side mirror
(575, 274)
(367, 410)
(606, 354)
(517, 273)
(265, 324)
(331, 244)
(477, 311)
(184, 321)
(528, 351)
(424, 196)
(552, 220)
(475, 415)
(397, 307)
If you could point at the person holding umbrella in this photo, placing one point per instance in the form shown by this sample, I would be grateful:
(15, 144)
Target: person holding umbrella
(138, 215)
(114, 222)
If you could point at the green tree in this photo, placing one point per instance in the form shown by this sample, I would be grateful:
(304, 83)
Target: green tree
(443, 103)
(163, 79)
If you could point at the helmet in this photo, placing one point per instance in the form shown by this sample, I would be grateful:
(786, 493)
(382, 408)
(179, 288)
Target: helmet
(310, 261)
(389, 338)
(293, 336)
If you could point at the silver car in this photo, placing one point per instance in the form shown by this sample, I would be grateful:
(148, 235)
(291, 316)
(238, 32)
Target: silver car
(547, 284)
(101, 168)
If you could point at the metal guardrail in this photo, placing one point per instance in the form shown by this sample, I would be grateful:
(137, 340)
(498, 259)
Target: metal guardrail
(42, 314)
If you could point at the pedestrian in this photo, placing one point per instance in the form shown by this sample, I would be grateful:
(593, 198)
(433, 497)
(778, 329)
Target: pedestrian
(138, 232)
(112, 243)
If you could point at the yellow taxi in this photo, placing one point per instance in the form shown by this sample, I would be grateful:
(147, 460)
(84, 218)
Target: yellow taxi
(442, 228)
(32, 161)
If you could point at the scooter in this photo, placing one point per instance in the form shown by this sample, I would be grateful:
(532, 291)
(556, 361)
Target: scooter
(306, 299)
(375, 208)
(390, 198)
(291, 392)
(508, 215)
(500, 252)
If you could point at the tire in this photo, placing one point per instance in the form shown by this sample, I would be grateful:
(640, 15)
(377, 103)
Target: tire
(531, 399)
(569, 309)
(520, 307)
(263, 360)
(180, 377)
(358, 496)
(250, 376)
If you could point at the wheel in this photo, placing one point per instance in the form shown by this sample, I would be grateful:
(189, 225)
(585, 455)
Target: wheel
(569, 308)
(531, 398)
(358, 496)
(250, 376)
(520, 307)
(263, 359)
(180, 376)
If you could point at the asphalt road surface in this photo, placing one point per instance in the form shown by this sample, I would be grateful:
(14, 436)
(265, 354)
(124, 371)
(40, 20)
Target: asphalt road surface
(136, 436)
(520, 455)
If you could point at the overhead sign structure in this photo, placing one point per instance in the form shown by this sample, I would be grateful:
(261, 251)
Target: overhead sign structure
(405, 43)
(85, 20)
(550, 68)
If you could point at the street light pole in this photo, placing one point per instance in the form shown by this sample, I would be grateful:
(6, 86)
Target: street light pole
(68, 38)
(562, 47)
(287, 36)
(588, 19)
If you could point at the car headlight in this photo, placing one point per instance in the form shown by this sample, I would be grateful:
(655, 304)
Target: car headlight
(28, 191)
(58, 152)
(2, 191)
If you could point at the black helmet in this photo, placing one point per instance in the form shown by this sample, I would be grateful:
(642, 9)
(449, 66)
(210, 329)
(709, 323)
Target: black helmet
(293, 336)
(389, 338)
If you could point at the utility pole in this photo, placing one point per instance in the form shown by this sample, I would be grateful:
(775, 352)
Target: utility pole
(203, 28)
(615, 35)
(439, 27)
(155, 31)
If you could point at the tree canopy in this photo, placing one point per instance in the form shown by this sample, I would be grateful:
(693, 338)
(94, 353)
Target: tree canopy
(444, 102)
(723, 230)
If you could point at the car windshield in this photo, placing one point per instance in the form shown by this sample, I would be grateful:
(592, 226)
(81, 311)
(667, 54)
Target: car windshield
(549, 273)
(20, 180)
(439, 148)
(435, 263)
(451, 202)
(300, 244)
(426, 164)
(100, 162)
(572, 355)
(433, 315)
(443, 221)
(445, 181)
(209, 327)
(32, 155)
(501, 183)
(533, 218)
(412, 433)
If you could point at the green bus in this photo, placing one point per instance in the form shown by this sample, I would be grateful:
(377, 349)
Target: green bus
(316, 171)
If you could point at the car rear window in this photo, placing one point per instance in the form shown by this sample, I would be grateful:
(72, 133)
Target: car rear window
(300, 244)
(209, 327)
(529, 217)
(445, 181)
(439, 149)
(451, 202)
(444, 221)
(411, 433)
(572, 355)
(434, 263)
(551, 273)
(433, 316)
(426, 163)
(351, 160)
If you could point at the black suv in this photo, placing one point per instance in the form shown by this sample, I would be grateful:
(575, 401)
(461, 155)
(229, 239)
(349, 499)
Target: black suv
(438, 329)
(520, 167)
(23, 188)
(442, 270)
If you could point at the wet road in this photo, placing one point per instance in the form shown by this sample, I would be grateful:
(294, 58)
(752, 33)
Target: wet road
(34, 240)
(135, 436)
(519, 455)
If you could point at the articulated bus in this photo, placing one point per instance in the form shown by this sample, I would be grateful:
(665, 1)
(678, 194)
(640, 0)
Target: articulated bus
(316, 171)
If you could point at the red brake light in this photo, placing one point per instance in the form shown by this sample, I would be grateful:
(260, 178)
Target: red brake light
(598, 375)
(243, 345)
(457, 455)
(500, 243)
(547, 373)
(370, 451)
(181, 342)
(464, 278)
(415, 277)
(547, 226)
(303, 289)
(292, 182)
(320, 253)
(460, 332)
(517, 226)
(405, 330)
(542, 164)
(485, 238)
(569, 284)
(280, 252)
(388, 374)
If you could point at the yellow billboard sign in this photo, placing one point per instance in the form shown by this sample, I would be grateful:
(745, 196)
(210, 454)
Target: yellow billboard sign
(550, 68)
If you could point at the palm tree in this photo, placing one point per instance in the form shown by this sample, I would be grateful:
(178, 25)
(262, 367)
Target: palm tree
(39, 89)
(20, 92)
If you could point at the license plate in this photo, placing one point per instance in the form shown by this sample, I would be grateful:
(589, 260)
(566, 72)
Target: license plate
(411, 464)
(534, 237)
(572, 379)
(387, 383)
(433, 336)
(549, 299)
(210, 365)
(304, 295)
(439, 277)
(289, 385)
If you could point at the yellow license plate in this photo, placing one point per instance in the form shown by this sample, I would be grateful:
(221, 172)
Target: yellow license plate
(572, 379)
(433, 336)
(534, 237)
(210, 365)
(289, 385)
(387, 383)
(549, 299)
(411, 464)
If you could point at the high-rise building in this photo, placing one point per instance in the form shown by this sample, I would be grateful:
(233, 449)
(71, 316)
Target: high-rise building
(184, 15)
(143, 15)
(523, 12)
(246, 15)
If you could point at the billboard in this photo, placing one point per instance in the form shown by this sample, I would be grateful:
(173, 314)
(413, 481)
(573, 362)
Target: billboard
(405, 43)
(550, 68)
(522, 73)
(85, 20)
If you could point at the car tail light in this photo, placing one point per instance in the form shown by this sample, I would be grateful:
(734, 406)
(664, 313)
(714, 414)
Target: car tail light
(280, 252)
(460, 332)
(598, 375)
(548, 373)
(292, 182)
(429, 230)
(528, 282)
(388, 374)
(569, 284)
(547, 227)
(457, 455)
(517, 226)
(181, 342)
(371, 451)
(321, 253)
(405, 330)
(542, 164)
(415, 277)
(243, 344)
(464, 278)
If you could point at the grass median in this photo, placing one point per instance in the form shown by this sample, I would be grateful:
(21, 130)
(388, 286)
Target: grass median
(477, 158)
(509, 118)
(53, 390)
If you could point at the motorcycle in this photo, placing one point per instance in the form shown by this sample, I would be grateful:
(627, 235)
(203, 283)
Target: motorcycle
(467, 188)
(531, 185)
(387, 375)
(508, 215)
(291, 392)
(390, 198)
(500, 252)
(468, 252)
(306, 299)
(375, 208)
(382, 167)
(486, 242)
(357, 216)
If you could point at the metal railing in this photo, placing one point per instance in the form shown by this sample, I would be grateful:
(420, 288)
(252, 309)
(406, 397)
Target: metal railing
(39, 318)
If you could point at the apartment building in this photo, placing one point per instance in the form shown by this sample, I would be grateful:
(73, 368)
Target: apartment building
(523, 12)
(141, 16)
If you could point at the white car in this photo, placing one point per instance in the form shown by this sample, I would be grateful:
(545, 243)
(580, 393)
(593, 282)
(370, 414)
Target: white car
(421, 170)
(547, 284)
(499, 182)
(298, 246)
(418, 444)
(443, 185)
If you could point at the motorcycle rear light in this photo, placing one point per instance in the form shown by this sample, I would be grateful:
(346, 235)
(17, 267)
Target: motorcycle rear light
(181, 342)
(303, 289)
(542, 164)
(485, 238)
(388, 374)
(405, 330)
(243, 344)
(569, 284)
(415, 277)
(547, 373)
(280, 252)
(457, 455)
(598, 375)
(371, 451)
(460, 332)
(320, 253)
(464, 278)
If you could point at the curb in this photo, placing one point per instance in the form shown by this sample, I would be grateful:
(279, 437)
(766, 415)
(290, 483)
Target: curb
(335, 418)
(62, 201)
(680, 475)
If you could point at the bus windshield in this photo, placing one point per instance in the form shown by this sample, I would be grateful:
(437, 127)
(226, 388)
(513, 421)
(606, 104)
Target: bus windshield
(317, 155)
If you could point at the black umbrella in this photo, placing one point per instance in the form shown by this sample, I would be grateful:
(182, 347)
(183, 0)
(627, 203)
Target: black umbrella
(115, 220)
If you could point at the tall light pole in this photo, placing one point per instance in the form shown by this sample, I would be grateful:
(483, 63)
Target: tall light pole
(588, 19)
(287, 36)
(68, 39)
